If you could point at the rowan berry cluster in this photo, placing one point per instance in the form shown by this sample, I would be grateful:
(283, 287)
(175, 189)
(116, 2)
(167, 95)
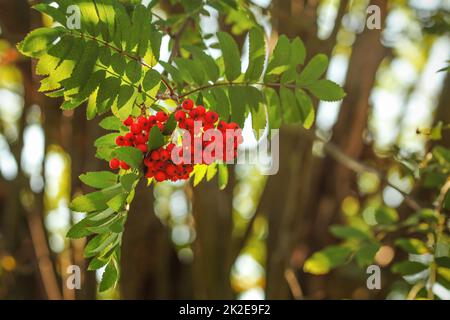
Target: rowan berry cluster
(176, 162)
(210, 139)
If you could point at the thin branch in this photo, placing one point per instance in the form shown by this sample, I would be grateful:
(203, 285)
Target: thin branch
(442, 193)
(48, 275)
(246, 84)
(293, 284)
(176, 39)
(334, 151)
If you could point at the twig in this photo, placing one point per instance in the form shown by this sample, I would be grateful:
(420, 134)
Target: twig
(293, 284)
(176, 38)
(437, 234)
(334, 151)
(224, 84)
(42, 252)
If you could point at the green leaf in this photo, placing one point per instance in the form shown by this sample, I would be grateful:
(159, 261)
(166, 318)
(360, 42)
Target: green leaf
(118, 63)
(152, 78)
(231, 56)
(407, 268)
(38, 41)
(119, 225)
(325, 260)
(106, 140)
(98, 216)
(111, 123)
(313, 70)
(414, 246)
(211, 172)
(97, 263)
(170, 125)
(156, 139)
(110, 277)
(326, 90)
(133, 71)
(99, 243)
(238, 104)
(174, 73)
(207, 62)
(199, 173)
(298, 52)
(291, 110)
(94, 201)
(386, 216)
(307, 112)
(128, 181)
(443, 262)
(99, 180)
(126, 98)
(191, 70)
(102, 226)
(222, 103)
(259, 122)
(348, 232)
(223, 176)
(274, 108)
(257, 54)
(79, 230)
(117, 203)
(80, 75)
(279, 61)
(139, 19)
(365, 255)
(107, 93)
(132, 156)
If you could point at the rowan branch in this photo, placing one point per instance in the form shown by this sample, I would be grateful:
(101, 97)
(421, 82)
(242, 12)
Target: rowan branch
(335, 152)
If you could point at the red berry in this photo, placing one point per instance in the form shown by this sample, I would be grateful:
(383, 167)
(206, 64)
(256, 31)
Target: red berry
(136, 128)
(222, 126)
(114, 163)
(120, 141)
(140, 138)
(148, 162)
(170, 147)
(143, 148)
(160, 166)
(155, 155)
(182, 124)
(171, 170)
(201, 110)
(188, 104)
(180, 115)
(164, 155)
(152, 120)
(189, 123)
(161, 116)
(129, 121)
(233, 125)
(160, 126)
(144, 123)
(124, 165)
(194, 114)
(211, 117)
(160, 176)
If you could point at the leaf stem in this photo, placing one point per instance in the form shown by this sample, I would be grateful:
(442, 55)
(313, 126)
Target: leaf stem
(247, 84)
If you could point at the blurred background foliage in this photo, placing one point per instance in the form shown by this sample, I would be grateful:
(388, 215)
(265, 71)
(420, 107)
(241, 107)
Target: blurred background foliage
(261, 237)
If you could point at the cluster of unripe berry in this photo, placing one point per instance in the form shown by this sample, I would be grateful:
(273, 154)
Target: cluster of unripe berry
(173, 162)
